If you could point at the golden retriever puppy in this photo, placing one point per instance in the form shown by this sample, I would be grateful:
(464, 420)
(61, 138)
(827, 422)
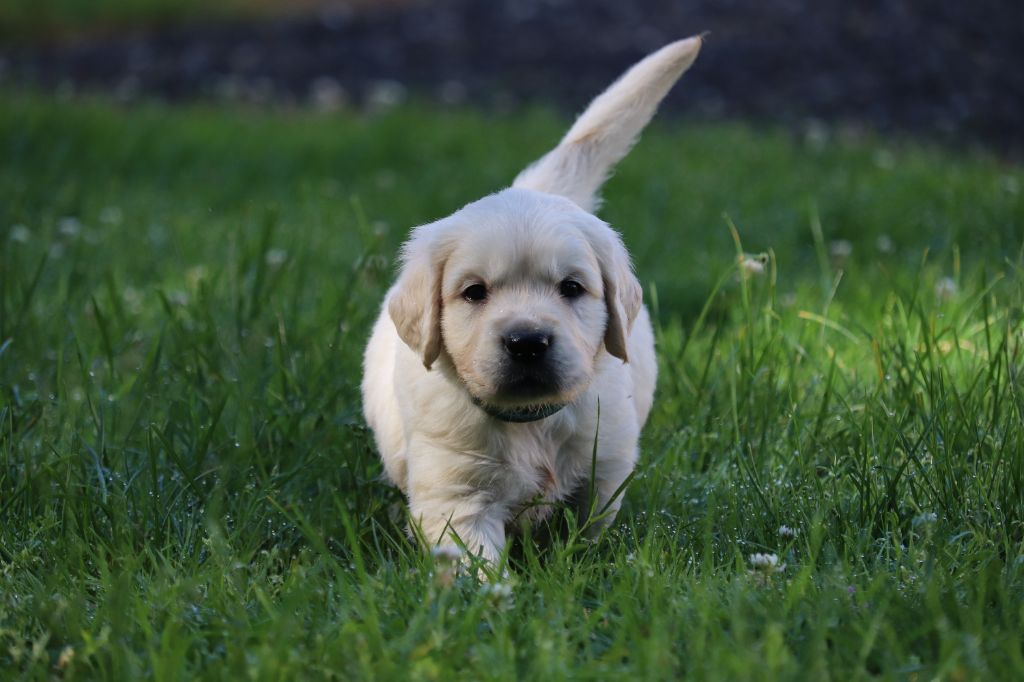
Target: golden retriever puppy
(515, 339)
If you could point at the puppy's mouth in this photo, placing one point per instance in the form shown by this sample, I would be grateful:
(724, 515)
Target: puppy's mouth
(543, 383)
(519, 413)
(528, 385)
(524, 396)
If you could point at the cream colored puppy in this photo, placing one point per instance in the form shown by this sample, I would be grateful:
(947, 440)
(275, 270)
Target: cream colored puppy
(515, 322)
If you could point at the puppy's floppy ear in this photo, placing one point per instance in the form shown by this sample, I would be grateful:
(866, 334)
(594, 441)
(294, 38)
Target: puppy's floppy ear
(622, 293)
(607, 129)
(414, 302)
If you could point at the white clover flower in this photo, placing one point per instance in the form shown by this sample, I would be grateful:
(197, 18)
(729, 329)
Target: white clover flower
(386, 178)
(276, 257)
(133, 300)
(752, 265)
(946, 288)
(446, 554)
(195, 275)
(1010, 184)
(111, 215)
(446, 563)
(327, 94)
(816, 133)
(499, 594)
(787, 532)
(927, 517)
(67, 655)
(69, 226)
(766, 563)
(384, 95)
(839, 251)
(500, 590)
(20, 233)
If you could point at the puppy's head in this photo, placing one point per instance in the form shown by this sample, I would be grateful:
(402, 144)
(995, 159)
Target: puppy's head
(522, 290)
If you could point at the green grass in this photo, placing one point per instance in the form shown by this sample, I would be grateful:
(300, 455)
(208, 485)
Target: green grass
(23, 21)
(187, 488)
(26, 21)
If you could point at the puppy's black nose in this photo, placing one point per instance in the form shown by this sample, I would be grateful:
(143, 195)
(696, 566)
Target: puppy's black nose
(527, 346)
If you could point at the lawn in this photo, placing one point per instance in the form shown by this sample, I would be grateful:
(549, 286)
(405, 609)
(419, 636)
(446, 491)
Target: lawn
(25, 22)
(187, 488)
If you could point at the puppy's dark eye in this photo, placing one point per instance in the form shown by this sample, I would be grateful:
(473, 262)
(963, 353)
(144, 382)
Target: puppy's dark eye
(476, 293)
(571, 289)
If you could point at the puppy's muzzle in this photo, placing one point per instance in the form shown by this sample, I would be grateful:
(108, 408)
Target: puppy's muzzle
(529, 371)
(527, 346)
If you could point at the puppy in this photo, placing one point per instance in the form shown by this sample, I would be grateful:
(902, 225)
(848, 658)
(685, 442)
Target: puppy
(515, 339)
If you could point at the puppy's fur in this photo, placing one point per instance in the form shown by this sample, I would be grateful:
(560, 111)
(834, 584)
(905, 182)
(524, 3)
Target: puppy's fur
(513, 323)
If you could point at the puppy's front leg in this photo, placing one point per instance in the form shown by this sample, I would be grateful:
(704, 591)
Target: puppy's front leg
(446, 500)
(607, 492)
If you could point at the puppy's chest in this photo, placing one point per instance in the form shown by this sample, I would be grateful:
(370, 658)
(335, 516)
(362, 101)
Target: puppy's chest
(538, 463)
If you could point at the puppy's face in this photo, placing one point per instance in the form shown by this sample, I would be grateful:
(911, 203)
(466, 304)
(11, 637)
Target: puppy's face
(523, 291)
(523, 309)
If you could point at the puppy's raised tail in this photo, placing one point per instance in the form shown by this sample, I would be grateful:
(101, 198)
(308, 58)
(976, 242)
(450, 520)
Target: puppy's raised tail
(609, 127)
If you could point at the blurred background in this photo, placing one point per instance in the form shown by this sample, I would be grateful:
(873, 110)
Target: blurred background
(937, 68)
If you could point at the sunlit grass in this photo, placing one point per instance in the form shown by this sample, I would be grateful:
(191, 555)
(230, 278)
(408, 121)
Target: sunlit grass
(187, 487)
